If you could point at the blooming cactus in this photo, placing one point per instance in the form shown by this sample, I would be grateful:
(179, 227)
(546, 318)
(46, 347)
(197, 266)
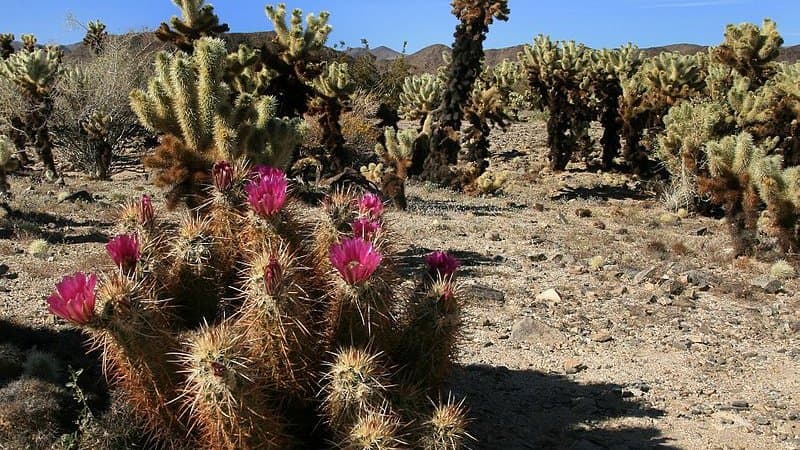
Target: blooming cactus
(267, 192)
(74, 298)
(442, 264)
(365, 228)
(222, 175)
(144, 209)
(355, 259)
(370, 205)
(124, 251)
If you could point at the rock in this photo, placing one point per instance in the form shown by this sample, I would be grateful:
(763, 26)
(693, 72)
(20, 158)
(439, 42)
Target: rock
(768, 284)
(537, 257)
(550, 295)
(531, 330)
(573, 366)
(684, 302)
(538, 207)
(761, 420)
(740, 404)
(487, 322)
(599, 225)
(3, 269)
(702, 231)
(643, 274)
(698, 279)
(672, 287)
(482, 293)
(601, 336)
(583, 212)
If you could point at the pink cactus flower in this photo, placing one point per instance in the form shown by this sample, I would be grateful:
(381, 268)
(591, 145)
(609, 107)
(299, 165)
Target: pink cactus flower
(144, 210)
(365, 228)
(222, 174)
(267, 192)
(442, 264)
(272, 275)
(74, 298)
(355, 259)
(124, 251)
(267, 171)
(370, 205)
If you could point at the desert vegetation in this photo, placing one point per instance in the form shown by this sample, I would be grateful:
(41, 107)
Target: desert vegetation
(263, 270)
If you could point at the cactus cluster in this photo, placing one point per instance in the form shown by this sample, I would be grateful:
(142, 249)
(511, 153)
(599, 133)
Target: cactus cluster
(6, 47)
(96, 36)
(257, 323)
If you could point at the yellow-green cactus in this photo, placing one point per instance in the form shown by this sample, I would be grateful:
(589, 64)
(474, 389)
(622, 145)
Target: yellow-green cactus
(197, 20)
(421, 95)
(6, 47)
(96, 36)
(750, 49)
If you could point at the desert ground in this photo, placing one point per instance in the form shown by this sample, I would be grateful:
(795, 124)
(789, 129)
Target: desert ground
(595, 318)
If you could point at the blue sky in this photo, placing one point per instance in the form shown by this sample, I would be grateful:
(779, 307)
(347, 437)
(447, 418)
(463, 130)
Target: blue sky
(423, 22)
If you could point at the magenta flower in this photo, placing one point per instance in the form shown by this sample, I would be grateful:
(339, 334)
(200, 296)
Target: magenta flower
(124, 251)
(144, 209)
(222, 174)
(267, 192)
(365, 228)
(74, 298)
(355, 259)
(273, 274)
(370, 205)
(267, 171)
(442, 263)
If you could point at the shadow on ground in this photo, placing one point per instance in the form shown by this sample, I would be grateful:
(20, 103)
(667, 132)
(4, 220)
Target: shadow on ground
(604, 192)
(46, 226)
(421, 206)
(526, 409)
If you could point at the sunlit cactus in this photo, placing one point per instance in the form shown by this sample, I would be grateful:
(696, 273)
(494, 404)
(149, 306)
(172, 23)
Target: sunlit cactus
(29, 42)
(7, 163)
(397, 153)
(35, 73)
(259, 323)
(559, 73)
(421, 95)
(750, 49)
(333, 88)
(96, 36)
(6, 47)
(197, 20)
(188, 99)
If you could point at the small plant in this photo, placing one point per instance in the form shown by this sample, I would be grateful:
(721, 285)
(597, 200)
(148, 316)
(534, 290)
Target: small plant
(490, 183)
(38, 248)
(782, 270)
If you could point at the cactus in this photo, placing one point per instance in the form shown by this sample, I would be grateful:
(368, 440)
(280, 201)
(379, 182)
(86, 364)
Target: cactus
(397, 152)
(333, 89)
(609, 68)
(421, 95)
(301, 334)
(558, 72)
(6, 47)
(29, 42)
(294, 57)
(490, 183)
(189, 99)
(96, 36)
(198, 20)
(750, 50)
(7, 150)
(96, 126)
(34, 73)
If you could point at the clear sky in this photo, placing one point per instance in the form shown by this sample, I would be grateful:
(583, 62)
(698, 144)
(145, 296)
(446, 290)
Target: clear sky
(597, 23)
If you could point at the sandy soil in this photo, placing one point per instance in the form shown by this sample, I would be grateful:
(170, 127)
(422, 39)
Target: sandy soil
(594, 319)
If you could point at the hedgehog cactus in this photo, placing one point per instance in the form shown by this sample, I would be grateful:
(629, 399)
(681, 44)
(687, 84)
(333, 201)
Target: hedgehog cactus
(307, 339)
(750, 49)
(198, 20)
(34, 73)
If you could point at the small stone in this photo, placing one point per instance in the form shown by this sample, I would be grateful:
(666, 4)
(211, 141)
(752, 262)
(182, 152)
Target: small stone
(538, 207)
(769, 285)
(583, 212)
(702, 231)
(697, 279)
(573, 366)
(601, 336)
(481, 293)
(599, 225)
(488, 344)
(641, 275)
(537, 257)
(672, 287)
(761, 420)
(740, 404)
(3, 269)
(487, 323)
(531, 330)
(550, 295)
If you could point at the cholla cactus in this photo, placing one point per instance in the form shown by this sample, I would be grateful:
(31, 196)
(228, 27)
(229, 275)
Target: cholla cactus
(6, 162)
(198, 20)
(96, 126)
(6, 47)
(34, 74)
(28, 42)
(750, 50)
(421, 95)
(490, 183)
(333, 88)
(189, 99)
(609, 68)
(300, 333)
(559, 73)
(397, 153)
(96, 36)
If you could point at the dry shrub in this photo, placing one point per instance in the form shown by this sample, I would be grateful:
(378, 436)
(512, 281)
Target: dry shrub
(100, 84)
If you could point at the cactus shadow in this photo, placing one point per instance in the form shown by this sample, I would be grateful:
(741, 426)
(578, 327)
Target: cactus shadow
(411, 260)
(527, 409)
(36, 223)
(603, 193)
(428, 207)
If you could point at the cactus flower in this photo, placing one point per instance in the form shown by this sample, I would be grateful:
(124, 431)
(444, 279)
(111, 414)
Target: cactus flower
(272, 275)
(442, 263)
(355, 259)
(365, 228)
(267, 192)
(264, 170)
(370, 205)
(222, 175)
(144, 209)
(74, 298)
(124, 251)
